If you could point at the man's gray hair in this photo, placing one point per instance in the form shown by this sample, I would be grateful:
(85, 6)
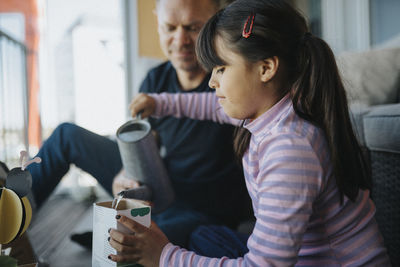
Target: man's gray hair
(218, 3)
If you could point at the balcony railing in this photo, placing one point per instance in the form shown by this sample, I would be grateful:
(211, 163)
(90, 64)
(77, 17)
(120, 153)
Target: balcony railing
(13, 99)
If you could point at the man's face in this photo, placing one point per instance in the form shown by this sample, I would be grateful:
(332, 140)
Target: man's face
(179, 23)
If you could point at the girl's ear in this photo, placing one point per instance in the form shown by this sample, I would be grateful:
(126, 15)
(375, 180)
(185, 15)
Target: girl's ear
(268, 68)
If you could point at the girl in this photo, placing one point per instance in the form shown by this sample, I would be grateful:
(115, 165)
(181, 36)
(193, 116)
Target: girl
(303, 166)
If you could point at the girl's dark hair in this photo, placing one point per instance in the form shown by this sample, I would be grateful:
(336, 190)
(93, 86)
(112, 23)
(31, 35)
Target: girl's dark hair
(316, 89)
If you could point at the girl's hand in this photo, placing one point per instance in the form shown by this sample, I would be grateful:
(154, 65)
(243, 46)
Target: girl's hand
(142, 102)
(144, 246)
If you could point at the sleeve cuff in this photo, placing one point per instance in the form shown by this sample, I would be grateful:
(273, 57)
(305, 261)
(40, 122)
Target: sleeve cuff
(166, 254)
(158, 109)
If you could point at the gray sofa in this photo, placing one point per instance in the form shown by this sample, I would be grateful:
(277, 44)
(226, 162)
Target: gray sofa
(378, 129)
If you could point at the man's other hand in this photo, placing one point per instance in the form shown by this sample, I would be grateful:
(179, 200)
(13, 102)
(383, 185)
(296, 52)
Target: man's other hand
(122, 182)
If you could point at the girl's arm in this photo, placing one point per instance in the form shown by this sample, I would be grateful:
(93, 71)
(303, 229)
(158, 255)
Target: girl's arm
(199, 106)
(290, 177)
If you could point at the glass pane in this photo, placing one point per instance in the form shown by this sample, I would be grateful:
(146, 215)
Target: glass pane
(84, 68)
(385, 20)
(13, 92)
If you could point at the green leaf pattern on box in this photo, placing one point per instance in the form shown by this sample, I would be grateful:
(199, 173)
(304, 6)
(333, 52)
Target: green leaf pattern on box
(140, 212)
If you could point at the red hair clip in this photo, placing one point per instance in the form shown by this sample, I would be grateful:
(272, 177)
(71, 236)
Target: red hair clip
(246, 34)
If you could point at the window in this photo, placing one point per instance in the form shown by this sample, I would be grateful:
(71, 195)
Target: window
(13, 88)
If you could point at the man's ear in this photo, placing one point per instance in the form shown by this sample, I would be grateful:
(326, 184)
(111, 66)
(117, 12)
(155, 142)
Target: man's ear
(268, 68)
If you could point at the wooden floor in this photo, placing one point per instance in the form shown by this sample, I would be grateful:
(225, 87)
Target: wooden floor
(50, 231)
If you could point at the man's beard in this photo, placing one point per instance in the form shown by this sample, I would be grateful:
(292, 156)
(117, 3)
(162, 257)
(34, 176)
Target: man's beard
(186, 65)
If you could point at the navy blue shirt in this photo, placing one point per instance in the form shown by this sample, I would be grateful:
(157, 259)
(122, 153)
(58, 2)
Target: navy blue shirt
(199, 155)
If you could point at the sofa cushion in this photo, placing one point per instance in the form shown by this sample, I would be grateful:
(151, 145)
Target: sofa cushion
(371, 77)
(357, 113)
(382, 128)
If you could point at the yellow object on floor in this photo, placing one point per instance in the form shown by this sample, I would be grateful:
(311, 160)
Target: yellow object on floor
(15, 215)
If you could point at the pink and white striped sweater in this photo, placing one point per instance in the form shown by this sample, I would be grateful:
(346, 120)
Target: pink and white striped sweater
(296, 202)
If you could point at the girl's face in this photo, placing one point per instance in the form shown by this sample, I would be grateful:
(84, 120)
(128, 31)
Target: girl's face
(244, 89)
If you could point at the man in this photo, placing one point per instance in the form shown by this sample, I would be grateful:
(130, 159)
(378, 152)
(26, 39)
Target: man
(208, 185)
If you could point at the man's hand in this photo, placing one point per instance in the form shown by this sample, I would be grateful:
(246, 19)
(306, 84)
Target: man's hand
(144, 103)
(121, 182)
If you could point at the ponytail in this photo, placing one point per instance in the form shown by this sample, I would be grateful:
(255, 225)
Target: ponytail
(241, 141)
(319, 96)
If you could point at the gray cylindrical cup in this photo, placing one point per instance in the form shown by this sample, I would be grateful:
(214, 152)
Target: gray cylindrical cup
(142, 161)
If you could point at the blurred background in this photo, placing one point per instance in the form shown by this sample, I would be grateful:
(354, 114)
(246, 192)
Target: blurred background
(82, 60)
